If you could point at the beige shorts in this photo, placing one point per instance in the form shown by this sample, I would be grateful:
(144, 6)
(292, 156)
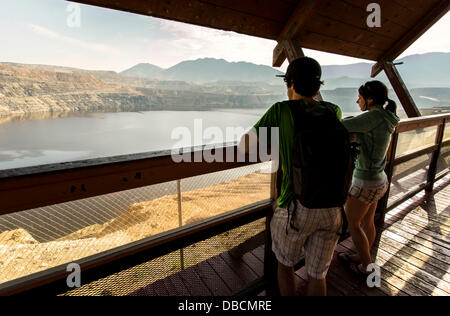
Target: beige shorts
(317, 236)
(368, 196)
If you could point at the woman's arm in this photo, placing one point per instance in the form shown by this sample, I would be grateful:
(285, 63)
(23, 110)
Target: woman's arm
(363, 123)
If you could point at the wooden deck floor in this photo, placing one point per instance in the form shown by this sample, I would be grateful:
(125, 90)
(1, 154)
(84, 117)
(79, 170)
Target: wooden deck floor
(413, 252)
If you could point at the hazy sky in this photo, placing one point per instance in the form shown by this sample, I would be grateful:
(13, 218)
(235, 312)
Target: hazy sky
(36, 31)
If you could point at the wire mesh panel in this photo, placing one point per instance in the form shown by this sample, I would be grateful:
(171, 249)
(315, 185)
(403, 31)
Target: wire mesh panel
(128, 281)
(408, 175)
(444, 159)
(415, 140)
(447, 132)
(39, 239)
(210, 195)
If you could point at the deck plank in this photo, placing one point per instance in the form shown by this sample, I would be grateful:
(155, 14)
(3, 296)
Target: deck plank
(415, 259)
(418, 272)
(422, 231)
(196, 285)
(226, 274)
(415, 245)
(254, 263)
(415, 216)
(259, 253)
(412, 285)
(176, 287)
(302, 280)
(240, 268)
(212, 280)
(159, 288)
(409, 250)
(428, 243)
(386, 287)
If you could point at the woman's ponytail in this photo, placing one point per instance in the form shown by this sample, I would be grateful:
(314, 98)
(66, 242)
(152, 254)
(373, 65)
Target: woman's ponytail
(378, 92)
(391, 106)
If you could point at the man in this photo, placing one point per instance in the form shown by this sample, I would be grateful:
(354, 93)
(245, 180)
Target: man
(317, 228)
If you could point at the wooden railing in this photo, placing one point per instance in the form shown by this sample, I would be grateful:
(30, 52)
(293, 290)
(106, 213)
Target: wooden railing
(59, 183)
(438, 121)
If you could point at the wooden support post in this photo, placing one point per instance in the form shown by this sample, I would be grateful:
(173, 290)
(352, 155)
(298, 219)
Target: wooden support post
(434, 158)
(400, 89)
(293, 50)
(383, 203)
(299, 17)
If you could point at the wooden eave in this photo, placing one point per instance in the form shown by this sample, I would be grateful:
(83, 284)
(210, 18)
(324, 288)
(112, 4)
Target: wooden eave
(334, 26)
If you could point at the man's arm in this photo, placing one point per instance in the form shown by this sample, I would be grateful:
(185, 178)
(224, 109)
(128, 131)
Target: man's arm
(250, 141)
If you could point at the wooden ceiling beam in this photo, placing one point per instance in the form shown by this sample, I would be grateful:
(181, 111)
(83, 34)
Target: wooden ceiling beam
(299, 17)
(196, 12)
(436, 13)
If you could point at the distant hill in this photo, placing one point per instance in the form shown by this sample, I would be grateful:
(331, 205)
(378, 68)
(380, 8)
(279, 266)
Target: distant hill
(208, 70)
(418, 71)
(425, 98)
(426, 70)
(144, 71)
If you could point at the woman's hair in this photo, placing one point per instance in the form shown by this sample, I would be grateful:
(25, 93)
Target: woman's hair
(378, 92)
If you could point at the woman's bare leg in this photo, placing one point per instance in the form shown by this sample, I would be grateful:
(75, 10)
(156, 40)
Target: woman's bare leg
(368, 224)
(356, 211)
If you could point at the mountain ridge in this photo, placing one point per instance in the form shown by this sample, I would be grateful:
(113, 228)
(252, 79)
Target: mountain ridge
(418, 70)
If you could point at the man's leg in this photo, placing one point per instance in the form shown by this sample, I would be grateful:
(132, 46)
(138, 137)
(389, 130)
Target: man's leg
(286, 280)
(316, 287)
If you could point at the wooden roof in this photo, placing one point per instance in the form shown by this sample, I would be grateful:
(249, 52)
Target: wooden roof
(334, 26)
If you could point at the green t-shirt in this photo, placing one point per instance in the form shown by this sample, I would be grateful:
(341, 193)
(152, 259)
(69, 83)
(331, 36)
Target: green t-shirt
(280, 115)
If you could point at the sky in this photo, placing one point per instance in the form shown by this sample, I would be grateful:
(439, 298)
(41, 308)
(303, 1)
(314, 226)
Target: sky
(47, 32)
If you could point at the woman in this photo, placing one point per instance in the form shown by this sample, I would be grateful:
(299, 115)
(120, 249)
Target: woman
(373, 130)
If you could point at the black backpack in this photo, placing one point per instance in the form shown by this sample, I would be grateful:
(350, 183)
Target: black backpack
(323, 158)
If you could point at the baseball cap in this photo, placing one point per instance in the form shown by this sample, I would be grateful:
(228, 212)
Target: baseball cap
(303, 68)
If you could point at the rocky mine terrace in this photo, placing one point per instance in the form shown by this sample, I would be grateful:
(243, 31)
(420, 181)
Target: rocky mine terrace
(27, 89)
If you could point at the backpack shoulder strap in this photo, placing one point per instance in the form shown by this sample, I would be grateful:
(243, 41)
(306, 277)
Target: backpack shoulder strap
(330, 107)
(298, 112)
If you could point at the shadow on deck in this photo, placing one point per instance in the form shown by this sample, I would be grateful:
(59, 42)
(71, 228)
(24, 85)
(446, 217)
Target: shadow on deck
(412, 249)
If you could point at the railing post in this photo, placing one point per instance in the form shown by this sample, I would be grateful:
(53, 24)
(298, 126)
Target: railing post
(180, 220)
(434, 158)
(383, 203)
(270, 261)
